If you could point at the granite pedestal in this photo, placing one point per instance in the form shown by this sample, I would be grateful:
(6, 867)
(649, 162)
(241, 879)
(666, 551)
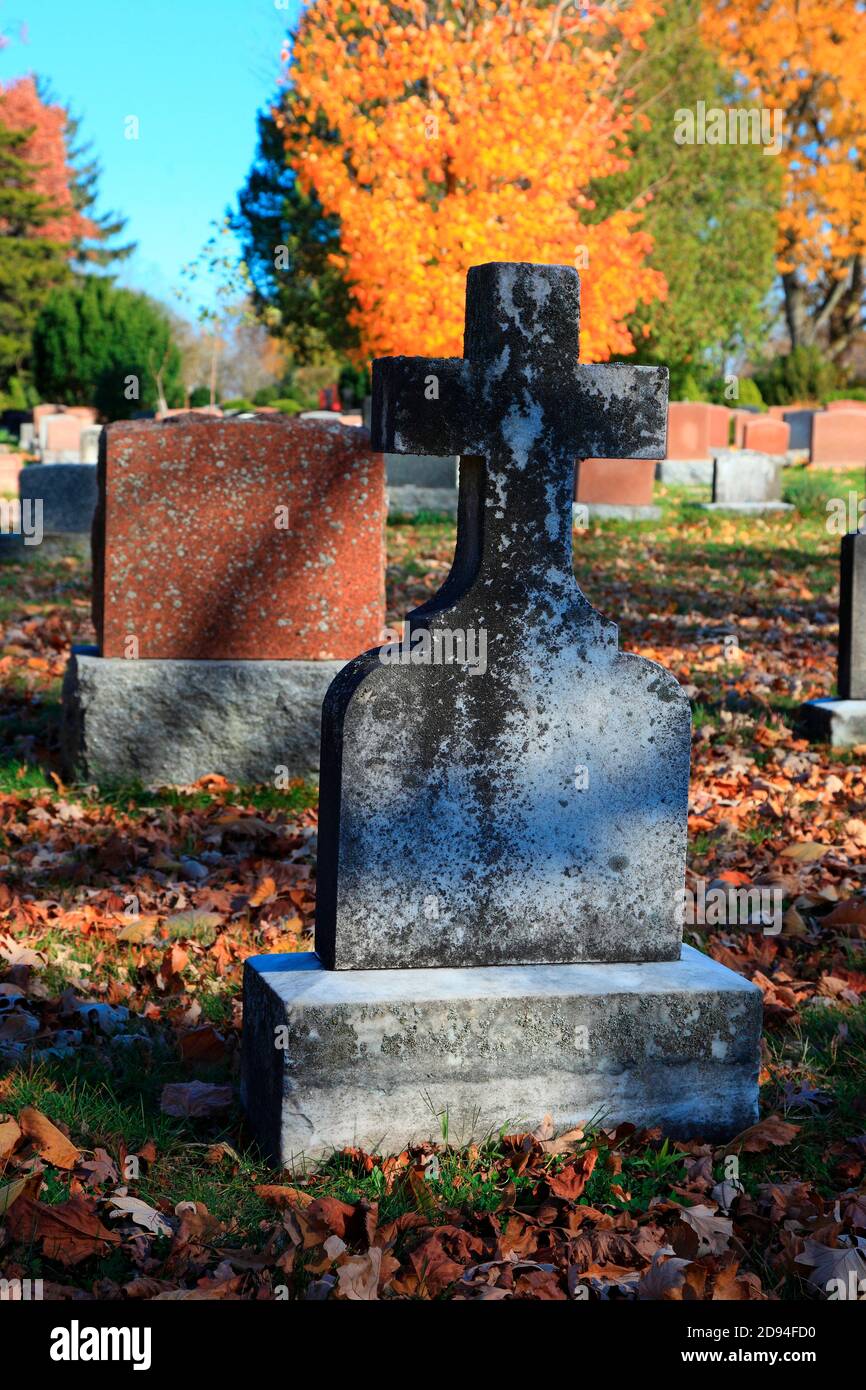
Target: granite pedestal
(171, 722)
(416, 483)
(685, 472)
(373, 1058)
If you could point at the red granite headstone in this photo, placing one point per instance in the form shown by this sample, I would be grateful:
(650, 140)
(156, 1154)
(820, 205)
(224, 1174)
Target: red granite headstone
(846, 405)
(690, 429)
(239, 539)
(839, 439)
(615, 482)
(61, 434)
(766, 434)
(720, 426)
(10, 467)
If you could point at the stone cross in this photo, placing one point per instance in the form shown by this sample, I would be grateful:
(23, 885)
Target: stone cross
(505, 786)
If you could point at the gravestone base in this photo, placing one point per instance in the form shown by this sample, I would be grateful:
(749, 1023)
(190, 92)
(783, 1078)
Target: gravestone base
(408, 500)
(685, 472)
(15, 547)
(748, 508)
(619, 511)
(172, 722)
(841, 723)
(378, 1058)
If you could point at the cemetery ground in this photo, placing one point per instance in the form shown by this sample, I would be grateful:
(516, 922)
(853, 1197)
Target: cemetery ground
(125, 918)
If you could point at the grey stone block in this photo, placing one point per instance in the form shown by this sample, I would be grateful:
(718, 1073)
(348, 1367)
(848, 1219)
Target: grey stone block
(374, 1057)
(618, 511)
(685, 472)
(421, 471)
(745, 476)
(171, 722)
(747, 508)
(408, 501)
(841, 723)
(67, 492)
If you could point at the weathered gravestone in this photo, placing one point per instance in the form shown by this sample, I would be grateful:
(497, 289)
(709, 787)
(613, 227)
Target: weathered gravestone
(490, 827)
(238, 564)
(746, 481)
(842, 721)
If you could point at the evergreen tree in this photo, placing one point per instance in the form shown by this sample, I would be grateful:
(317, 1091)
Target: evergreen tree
(95, 344)
(711, 209)
(31, 265)
(287, 239)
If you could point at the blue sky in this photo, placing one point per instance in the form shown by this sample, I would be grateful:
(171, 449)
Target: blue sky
(194, 72)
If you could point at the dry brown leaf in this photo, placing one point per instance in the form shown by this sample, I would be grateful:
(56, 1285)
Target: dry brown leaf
(50, 1142)
(762, 1136)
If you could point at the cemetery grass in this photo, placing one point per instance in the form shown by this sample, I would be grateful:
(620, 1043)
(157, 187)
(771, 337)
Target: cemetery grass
(126, 915)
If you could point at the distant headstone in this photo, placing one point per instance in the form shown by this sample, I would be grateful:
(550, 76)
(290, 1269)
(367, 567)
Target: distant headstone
(690, 430)
(742, 416)
(695, 428)
(747, 481)
(839, 439)
(505, 805)
(621, 489)
(766, 435)
(841, 722)
(27, 437)
(846, 405)
(10, 469)
(90, 437)
(237, 564)
(60, 438)
(66, 493)
(800, 424)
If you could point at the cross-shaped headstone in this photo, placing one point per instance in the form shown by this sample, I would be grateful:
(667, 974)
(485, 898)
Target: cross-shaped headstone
(519, 399)
(526, 801)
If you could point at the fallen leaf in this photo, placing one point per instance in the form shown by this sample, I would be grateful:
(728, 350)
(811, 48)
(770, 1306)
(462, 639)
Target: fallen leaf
(50, 1142)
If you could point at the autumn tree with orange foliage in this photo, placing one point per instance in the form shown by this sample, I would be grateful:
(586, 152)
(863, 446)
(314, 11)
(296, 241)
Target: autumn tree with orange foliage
(807, 58)
(63, 180)
(44, 148)
(444, 133)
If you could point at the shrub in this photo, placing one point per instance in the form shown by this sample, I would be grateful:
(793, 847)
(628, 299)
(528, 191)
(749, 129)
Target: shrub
(804, 374)
(288, 407)
(749, 393)
(95, 344)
